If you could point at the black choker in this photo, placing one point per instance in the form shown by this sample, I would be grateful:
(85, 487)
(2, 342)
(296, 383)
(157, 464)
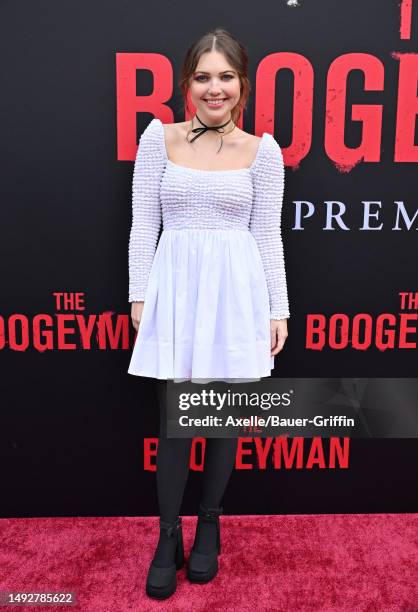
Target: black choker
(201, 130)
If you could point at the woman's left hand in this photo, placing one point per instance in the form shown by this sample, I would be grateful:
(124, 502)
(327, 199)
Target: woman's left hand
(278, 332)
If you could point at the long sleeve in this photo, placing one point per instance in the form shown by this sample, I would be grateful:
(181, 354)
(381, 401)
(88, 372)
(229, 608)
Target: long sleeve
(265, 222)
(146, 209)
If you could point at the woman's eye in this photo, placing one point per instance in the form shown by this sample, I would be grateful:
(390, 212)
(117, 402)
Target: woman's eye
(202, 77)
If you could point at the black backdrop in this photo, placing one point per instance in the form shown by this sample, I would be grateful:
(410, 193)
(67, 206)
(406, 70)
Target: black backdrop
(73, 422)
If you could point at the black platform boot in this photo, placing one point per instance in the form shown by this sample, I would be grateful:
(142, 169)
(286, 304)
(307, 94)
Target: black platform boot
(162, 581)
(203, 567)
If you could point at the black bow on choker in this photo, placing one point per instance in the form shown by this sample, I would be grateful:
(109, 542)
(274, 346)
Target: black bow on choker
(201, 130)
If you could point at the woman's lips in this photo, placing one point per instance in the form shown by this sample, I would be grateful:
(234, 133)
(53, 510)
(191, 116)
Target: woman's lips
(213, 104)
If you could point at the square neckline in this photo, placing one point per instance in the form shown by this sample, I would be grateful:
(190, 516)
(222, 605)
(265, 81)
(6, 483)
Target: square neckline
(247, 169)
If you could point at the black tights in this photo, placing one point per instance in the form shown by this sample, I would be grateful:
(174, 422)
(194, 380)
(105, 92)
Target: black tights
(173, 457)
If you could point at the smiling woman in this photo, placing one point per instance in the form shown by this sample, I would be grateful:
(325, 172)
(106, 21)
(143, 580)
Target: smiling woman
(210, 301)
(216, 68)
(215, 101)
(217, 88)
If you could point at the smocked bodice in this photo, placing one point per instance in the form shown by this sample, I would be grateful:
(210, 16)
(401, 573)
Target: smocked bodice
(192, 198)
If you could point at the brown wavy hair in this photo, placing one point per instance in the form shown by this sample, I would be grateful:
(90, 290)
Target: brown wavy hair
(222, 41)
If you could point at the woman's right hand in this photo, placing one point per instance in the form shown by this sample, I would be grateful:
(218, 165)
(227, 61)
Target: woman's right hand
(136, 313)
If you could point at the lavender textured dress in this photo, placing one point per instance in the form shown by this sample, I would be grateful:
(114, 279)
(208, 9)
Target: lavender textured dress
(217, 275)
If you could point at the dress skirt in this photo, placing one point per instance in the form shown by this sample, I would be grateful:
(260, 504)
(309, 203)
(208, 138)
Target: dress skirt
(206, 313)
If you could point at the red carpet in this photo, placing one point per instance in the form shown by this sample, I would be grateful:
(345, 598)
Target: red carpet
(296, 562)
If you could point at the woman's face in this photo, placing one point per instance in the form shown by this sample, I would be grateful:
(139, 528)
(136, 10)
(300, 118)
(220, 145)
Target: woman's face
(214, 79)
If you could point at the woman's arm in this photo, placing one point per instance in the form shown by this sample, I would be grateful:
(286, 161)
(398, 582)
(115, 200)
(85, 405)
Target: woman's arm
(146, 210)
(265, 223)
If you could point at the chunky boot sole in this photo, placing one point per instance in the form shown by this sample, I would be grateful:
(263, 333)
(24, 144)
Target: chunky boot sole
(205, 575)
(162, 581)
(167, 590)
(163, 593)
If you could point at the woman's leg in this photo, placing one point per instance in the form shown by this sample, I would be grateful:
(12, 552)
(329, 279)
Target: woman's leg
(219, 462)
(173, 455)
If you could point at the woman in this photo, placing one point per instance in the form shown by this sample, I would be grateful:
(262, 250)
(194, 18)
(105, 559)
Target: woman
(210, 302)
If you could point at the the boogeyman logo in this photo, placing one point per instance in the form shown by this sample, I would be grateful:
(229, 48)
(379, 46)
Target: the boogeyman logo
(362, 331)
(68, 327)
